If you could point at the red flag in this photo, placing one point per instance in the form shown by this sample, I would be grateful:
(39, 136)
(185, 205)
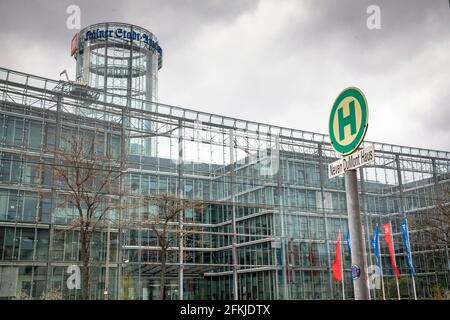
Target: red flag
(388, 239)
(337, 271)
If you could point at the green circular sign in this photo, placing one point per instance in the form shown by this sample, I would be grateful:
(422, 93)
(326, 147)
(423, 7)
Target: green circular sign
(348, 121)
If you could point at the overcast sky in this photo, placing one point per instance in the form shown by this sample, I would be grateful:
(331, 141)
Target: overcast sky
(281, 62)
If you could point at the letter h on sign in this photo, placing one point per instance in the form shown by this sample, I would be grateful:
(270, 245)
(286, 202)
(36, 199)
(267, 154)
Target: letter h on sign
(348, 120)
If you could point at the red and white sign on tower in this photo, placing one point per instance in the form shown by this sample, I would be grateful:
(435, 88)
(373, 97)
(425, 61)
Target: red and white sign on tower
(74, 45)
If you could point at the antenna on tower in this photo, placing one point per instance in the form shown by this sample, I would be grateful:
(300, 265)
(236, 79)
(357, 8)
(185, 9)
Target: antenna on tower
(65, 72)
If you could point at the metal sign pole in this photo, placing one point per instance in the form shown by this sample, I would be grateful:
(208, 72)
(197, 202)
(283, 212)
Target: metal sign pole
(359, 273)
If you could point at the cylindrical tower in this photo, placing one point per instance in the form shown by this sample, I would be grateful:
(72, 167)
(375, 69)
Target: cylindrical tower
(119, 58)
(124, 60)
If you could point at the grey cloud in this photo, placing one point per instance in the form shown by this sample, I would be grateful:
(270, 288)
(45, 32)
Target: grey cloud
(43, 22)
(407, 27)
(435, 115)
(283, 67)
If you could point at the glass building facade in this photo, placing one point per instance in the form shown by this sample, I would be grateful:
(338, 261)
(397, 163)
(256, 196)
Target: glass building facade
(270, 219)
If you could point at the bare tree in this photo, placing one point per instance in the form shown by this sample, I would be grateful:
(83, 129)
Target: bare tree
(436, 221)
(87, 179)
(439, 220)
(163, 218)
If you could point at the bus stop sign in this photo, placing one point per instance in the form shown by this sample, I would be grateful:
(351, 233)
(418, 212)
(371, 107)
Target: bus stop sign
(348, 121)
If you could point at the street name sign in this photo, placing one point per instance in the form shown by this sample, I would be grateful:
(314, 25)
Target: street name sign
(352, 161)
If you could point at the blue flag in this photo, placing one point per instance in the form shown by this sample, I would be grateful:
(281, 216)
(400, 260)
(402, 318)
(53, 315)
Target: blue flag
(348, 241)
(408, 249)
(375, 246)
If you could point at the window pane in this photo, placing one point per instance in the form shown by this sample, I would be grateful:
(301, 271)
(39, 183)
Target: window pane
(35, 141)
(9, 131)
(39, 281)
(31, 171)
(2, 238)
(29, 207)
(24, 282)
(16, 169)
(9, 241)
(14, 205)
(42, 244)
(27, 244)
(19, 132)
(44, 210)
(3, 204)
(5, 167)
(58, 245)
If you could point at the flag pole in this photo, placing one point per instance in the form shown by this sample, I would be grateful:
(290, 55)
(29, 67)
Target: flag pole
(393, 249)
(414, 287)
(365, 258)
(342, 266)
(381, 268)
(410, 253)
